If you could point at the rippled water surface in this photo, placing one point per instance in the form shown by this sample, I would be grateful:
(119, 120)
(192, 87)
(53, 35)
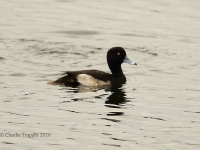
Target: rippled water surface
(158, 107)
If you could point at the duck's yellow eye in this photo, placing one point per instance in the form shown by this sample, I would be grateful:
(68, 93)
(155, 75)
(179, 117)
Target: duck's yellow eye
(118, 53)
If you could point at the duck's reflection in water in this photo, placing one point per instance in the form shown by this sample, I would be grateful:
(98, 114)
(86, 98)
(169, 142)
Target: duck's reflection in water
(117, 96)
(114, 100)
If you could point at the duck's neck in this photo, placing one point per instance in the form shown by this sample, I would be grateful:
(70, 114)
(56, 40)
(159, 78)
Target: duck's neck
(116, 70)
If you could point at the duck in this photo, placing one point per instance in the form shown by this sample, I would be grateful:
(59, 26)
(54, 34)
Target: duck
(115, 57)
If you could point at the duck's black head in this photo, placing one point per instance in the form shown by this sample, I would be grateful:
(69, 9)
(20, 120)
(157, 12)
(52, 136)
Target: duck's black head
(115, 57)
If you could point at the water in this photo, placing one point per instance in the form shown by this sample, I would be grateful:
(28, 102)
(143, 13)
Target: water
(158, 107)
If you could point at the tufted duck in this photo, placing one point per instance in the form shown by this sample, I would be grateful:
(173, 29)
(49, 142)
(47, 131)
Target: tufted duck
(115, 57)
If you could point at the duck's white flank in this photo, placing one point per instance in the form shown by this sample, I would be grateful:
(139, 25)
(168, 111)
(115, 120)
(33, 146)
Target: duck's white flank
(90, 81)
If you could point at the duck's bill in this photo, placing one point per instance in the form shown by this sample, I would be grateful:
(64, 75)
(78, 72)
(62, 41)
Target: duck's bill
(128, 61)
